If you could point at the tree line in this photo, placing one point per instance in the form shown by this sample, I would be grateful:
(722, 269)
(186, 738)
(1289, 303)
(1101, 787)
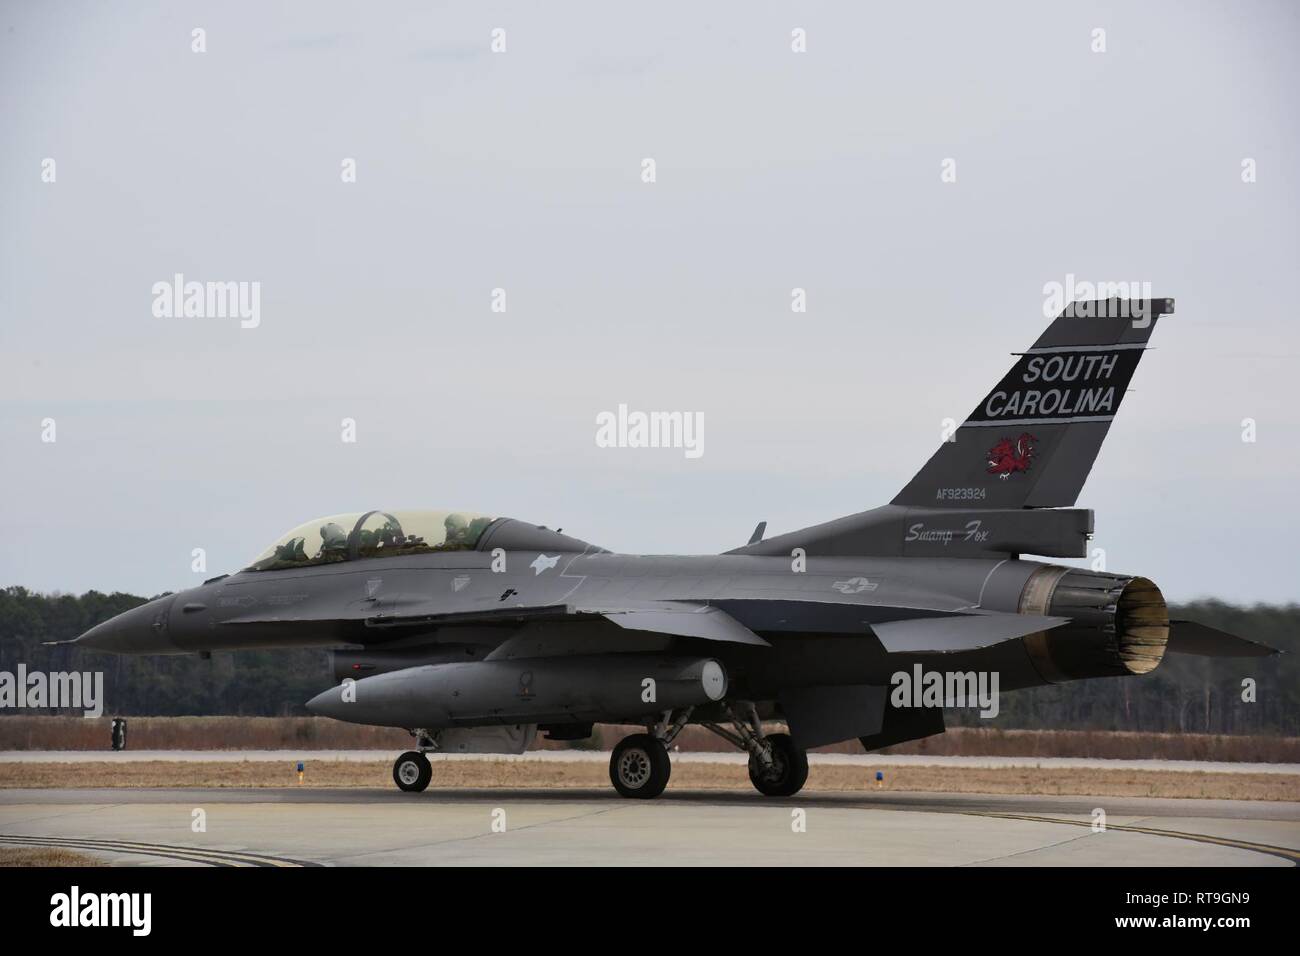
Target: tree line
(1184, 695)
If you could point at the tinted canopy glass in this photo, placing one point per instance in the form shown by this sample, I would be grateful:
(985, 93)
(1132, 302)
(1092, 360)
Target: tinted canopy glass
(373, 534)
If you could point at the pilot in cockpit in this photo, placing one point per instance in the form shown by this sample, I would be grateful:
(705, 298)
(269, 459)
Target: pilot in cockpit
(457, 532)
(334, 540)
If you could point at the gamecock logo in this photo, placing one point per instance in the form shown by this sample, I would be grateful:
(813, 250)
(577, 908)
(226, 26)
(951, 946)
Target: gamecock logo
(1008, 457)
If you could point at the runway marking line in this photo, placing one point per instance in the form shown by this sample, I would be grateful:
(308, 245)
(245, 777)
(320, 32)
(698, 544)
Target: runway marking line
(191, 854)
(1285, 852)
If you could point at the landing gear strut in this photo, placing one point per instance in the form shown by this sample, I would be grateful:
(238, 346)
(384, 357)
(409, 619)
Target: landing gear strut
(639, 766)
(777, 767)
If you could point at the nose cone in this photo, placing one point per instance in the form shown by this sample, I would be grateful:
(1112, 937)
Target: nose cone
(141, 630)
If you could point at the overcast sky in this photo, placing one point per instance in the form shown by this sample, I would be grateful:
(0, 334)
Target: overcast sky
(522, 170)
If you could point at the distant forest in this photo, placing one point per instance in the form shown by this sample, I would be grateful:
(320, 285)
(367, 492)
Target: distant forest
(1185, 695)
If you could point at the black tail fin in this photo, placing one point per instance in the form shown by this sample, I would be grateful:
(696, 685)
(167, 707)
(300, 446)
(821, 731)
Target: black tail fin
(1032, 441)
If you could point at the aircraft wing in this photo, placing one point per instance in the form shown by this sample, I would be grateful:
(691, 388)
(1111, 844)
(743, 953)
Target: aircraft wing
(682, 619)
(969, 632)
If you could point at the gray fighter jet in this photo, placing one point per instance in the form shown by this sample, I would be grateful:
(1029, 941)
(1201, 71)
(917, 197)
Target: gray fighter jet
(474, 632)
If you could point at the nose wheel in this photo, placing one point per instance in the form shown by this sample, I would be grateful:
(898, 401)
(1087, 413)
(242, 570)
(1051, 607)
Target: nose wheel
(412, 771)
(639, 767)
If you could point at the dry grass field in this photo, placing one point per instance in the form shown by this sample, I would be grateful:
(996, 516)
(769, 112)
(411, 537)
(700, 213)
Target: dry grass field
(44, 856)
(488, 773)
(303, 735)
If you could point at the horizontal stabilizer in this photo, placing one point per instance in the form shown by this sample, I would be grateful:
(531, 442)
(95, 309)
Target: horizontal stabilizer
(946, 635)
(1189, 637)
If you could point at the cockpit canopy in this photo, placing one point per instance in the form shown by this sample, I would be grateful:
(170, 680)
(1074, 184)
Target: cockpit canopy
(373, 534)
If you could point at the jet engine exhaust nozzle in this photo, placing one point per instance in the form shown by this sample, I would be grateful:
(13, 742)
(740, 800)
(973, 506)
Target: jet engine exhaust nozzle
(1119, 624)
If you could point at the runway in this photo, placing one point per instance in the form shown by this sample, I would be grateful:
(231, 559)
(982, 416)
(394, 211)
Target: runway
(367, 827)
(598, 756)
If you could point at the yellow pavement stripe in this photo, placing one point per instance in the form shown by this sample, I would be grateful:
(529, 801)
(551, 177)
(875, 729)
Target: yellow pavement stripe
(229, 856)
(1284, 852)
(75, 845)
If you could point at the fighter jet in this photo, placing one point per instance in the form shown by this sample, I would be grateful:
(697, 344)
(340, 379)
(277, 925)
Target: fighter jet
(475, 632)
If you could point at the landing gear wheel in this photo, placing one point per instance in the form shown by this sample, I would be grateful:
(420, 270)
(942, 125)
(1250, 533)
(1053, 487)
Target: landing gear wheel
(789, 771)
(412, 771)
(639, 767)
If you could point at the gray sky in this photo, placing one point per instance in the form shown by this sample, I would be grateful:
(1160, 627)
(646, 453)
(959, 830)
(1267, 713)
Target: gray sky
(521, 170)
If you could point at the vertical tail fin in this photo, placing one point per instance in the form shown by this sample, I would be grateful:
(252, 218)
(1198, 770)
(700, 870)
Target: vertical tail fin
(1032, 441)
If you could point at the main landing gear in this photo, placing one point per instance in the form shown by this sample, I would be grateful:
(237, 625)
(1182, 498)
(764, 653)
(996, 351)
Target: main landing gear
(777, 767)
(786, 771)
(639, 766)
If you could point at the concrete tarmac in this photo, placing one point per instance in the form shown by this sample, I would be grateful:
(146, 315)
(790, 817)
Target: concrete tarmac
(602, 756)
(364, 827)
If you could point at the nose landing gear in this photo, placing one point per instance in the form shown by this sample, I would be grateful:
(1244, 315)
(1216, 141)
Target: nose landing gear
(412, 771)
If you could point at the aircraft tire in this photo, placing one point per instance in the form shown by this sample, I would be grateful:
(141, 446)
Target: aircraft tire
(412, 771)
(791, 768)
(639, 767)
